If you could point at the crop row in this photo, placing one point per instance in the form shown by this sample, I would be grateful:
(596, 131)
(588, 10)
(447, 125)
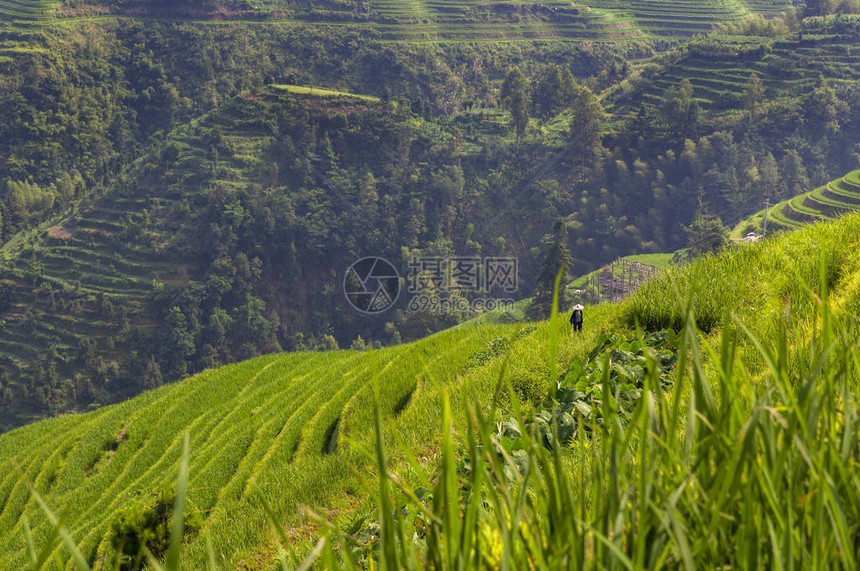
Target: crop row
(26, 10)
(837, 197)
(277, 419)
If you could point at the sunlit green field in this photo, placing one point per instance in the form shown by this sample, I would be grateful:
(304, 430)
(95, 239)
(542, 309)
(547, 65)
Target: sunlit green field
(319, 92)
(740, 451)
(437, 20)
(279, 424)
(26, 11)
(290, 429)
(837, 197)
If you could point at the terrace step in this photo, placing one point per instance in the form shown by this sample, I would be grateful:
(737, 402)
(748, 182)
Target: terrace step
(825, 208)
(852, 180)
(837, 192)
(790, 213)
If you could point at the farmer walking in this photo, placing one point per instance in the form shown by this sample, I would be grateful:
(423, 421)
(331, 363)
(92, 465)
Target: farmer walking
(576, 317)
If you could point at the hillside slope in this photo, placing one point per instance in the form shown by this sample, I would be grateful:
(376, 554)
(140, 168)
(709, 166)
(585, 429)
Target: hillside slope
(290, 426)
(222, 243)
(718, 68)
(27, 12)
(277, 424)
(438, 20)
(836, 198)
(219, 242)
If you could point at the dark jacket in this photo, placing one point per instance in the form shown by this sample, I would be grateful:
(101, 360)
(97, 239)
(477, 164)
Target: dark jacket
(576, 316)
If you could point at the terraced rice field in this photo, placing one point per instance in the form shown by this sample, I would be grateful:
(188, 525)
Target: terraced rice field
(281, 425)
(93, 276)
(836, 198)
(450, 20)
(398, 20)
(26, 12)
(479, 20)
(790, 68)
(675, 17)
(83, 262)
(68, 279)
(767, 7)
(591, 19)
(298, 429)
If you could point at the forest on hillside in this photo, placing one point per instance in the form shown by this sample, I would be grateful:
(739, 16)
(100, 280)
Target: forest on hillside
(160, 217)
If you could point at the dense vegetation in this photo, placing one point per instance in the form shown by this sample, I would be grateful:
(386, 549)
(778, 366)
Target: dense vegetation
(158, 223)
(763, 385)
(81, 102)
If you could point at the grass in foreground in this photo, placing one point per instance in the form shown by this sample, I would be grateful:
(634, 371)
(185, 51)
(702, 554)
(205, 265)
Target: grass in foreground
(744, 463)
(749, 457)
(750, 473)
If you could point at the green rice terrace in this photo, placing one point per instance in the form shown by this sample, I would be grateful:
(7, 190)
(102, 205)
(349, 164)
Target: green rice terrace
(680, 17)
(270, 435)
(719, 68)
(836, 198)
(26, 12)
(435, 20)
(449, 20)
(100, 267)
(86, 262)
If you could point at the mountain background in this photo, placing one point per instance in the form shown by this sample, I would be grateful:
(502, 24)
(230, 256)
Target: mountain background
(174, 197)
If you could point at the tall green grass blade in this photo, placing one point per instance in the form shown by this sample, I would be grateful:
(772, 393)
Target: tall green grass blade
(59, 530)
(177, 523)
(272, 518)
(389, 555)
(152, 560)
(210, 550)
(449, 489)
(47, 549)
(312, 557)
(553, 329)
(618, 555)
(31, 545)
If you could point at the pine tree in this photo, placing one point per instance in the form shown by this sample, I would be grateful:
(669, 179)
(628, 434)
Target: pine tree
(514, 95)
(753, 94)
(152, 375)
(794, 176)
(706, 234)
(557, 258)
(586, 128)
